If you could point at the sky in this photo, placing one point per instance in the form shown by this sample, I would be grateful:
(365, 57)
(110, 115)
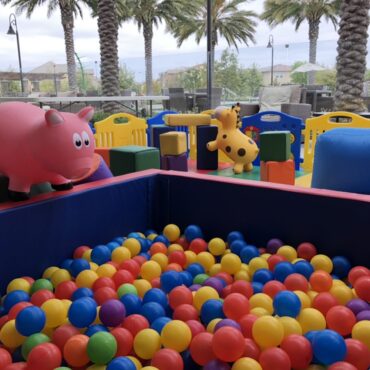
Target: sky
(42, 39)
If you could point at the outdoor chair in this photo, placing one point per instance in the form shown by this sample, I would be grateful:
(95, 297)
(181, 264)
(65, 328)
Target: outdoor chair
(177, 100)
(202, 100)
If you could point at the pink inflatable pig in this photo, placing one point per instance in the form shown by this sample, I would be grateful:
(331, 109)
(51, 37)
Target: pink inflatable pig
(38, 146)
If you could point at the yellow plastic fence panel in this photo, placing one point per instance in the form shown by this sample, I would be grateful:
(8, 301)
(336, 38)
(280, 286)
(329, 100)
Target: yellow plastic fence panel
(318, 125)
(110, 132)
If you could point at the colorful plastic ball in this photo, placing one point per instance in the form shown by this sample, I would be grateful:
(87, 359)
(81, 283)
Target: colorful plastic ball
(195, 269)
(288, 252)
(112, 313)
(243, 287)
(215, 283)
(195, 327)
(176, 335)
(104, 294)
(235, 306)
(228, 344)
(55, 312)
(227, 322)
(211, 309)
(234, 235)
(204, 294)
(357, 272)
(100, 254)
(304, 268)
(124, 340)
(342, 365)
(170, 280)
(290, 325)
(75, 351)
(101, 348)
(167, 359)
(121, 363)
(162, 239)
(62, 334)
(92, 329)
(186, 312)
(200, 279)
(45, 356)
(262, 300)
(19, 284)
(273, 287)
(135, 323)
(158, 248)
(15, 297)
(341, 319)
(299, 351)
(152, 310)
(86, 278)
(274, 359)
(206, 259)
(171, 232)
(361, 331)
(236, 246)
(66, 264)
(159, 324)
(150, 270)
(30, 320)
(155, 295)
(362, 288)
(107, 269)
(60, 276)
(192, 232)
(306, 251)
(341, 266)
(217, 246)
(230, 263)
(262, 276)
(79, 265)
(321, 281)
(296, 282)
(311, 319)
(357, 305)
(329, 347)
(363, 315)
(249, 252)
(180, 295)
(5, 358)
(17, 366)
(246, 363)
(198, 245)
(324, 302)
(146, 343)
(322, 262)
(17, 308)
(246, 324)
(201, 348)
(132, 303)
(267, 331)
(82, 293)
(287, 303)
(282, 270)
(33, 341)
(216, 365)
(82, 312)
(65, 290)
(123, 277)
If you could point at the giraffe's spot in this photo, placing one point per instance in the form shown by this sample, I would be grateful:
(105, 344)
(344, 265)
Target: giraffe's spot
(224, 136)
(228, 149)
(241, 152)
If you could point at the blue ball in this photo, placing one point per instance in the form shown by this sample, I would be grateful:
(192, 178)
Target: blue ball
(159, 323)
(263, 276)
(81, 293)
(282, 270)
(17, 355)
(79, 265)
(310, 335)
(249, 252)
(237, 246)
(132, 303)
(133, 235)
(149, 231)
(121, 363)
(170, 280)
(287, 303)
(341, 266)
(329, 347)
(187, 278)
(152, 311)
(15, 297)
(162, 239)
(145, 244)
(156, 295)
(118, 239)
(257, 287)
(189, 363)
(193, 232)
(82, 312)
(113, 245)
(30, 320)
(304, 268)
(211, 309)
(100, 254)
(66, 264)
(92, 329)
(234, 235)
(145, 255)
(195, 269)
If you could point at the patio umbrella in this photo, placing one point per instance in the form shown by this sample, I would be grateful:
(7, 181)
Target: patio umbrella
(309, 67)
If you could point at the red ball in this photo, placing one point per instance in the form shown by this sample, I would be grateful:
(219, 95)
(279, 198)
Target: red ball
(243, 287)
(198, 245)
(3, 320)
(124, 341)
(5, 358)
(62, 334)
(235, 306)
(274, 260)
(185, 312)
(173, 267)
(122, 277)
(131, 266)
(357, 272)
(273, 287)
(321, 281)
(14, 311)
(29, 279)
(167, 359)
(296, 282)
(246, 323)
(183, 242)
(201, 348)
(79, 251)
(226, 291)
(225, 276)
(157, 247)
(45, 356)
(156, 282)
(306, 251)
(65, 289)
(114, 264)
(178, 257)
(195, 327)
(103, 282)
(41, 296)
(362, 288)
(251, 349)
(341, 319)
(140, 259)
(358, 354)
(324, 302)
(180, 295)
(342, 365)
(103, 295)
(299, 350)
(135, 323)
(274, 359)
(17, 366)
(228, 344)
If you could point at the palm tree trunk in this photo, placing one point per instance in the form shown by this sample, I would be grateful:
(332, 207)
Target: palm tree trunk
(108, 37)
(68, 24)
(352, 51)
(148, 37)
(313, 34)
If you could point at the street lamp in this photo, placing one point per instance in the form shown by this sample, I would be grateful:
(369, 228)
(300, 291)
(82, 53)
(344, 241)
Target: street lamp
(55, 82)
(271, 46)
(13, 23)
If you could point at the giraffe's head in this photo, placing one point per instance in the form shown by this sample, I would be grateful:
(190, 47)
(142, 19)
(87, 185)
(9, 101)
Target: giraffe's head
(229, 117)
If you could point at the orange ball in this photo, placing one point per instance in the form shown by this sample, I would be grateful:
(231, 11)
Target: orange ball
(296, 282)
(362, 288)
(158, 247)
(235, 306)
(321, 281)
(180, 295)
(75, 351)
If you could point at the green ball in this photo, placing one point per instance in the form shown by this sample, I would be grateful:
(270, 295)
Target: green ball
(200, 279)
(33, 341)
(40, 284)
(126, 289)
(101, 348)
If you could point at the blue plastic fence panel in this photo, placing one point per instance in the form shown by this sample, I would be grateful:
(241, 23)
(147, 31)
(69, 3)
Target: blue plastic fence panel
(275, 121)
(157, 120)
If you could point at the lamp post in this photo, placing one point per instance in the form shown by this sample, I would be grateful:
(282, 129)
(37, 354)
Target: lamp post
(13, 23)
(210, 60)
(270, 45)
(55, 82)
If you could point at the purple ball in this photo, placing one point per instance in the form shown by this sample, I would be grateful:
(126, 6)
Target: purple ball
(195, 287)
(214, 283)
(273, 245)
(216, 365)
(363, 315)
(227, 322)
(112, 313)
(357, 305)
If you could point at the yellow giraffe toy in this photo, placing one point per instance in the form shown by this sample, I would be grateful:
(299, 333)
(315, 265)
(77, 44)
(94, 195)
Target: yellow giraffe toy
(237, 146)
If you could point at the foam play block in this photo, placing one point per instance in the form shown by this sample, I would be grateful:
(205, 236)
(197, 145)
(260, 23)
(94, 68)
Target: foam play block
(278, 172)
(105, 153)
(128, 159)
(173, 143)
(156, 131)
(275, 146)
(175, 162)
(187, 119)
(206, 160)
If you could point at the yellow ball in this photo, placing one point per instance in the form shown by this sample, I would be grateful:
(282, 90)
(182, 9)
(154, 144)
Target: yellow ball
(298, 260)
(266, 256)
(96, 367)
(215, 269)
(97, 320)
(150, 270)
(150, 368)
(86, 279)
(176, 335)
(211, 325)
(87, 255)
(9, 335)
(67, 303)
(93, 266)
(217, 246)
(288, 252)
(262, 300)
(18, 284)
(174, 248)
(60, 276)
(49, 271)
(231, 263)
(342, 293)
(140, 234)
(106, 270)
(322, 262)
(161, 259)
(191, 257)
(152, 236)
(246, 363)
(206, 260)
(361, 332)
(227, 251)
(142, 286)
(304, 298)
(245, 267)
(171, 232)
(146, 343)
(257, 263)
(121, 254)
(136, 362)
(204, 294)
(242, 275)
(55, 312)
(268, 332)
(259, 311)
(311, 319)
(290, 325)
(312, 294)
(49, 331)
(133, 245)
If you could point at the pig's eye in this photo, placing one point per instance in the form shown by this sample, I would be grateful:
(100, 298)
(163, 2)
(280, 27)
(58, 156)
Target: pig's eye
(77, 141)
(85, 138)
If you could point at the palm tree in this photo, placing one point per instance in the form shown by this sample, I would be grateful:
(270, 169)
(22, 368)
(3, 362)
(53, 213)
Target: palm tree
(68, 9)
(351, 59)
(280, 11)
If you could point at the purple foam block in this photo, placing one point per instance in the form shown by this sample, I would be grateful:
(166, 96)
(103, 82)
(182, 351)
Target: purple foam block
(164, 163)
(177, 162)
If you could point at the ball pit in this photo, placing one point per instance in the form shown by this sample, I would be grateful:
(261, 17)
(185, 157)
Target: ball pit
(161, 301)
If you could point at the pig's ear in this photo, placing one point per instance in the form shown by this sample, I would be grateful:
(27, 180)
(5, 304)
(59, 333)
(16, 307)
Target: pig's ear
(53, 118)
(86, 113)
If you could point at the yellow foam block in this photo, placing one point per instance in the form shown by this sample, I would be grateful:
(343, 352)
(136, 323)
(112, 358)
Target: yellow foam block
(173, 143)
(187, 119)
